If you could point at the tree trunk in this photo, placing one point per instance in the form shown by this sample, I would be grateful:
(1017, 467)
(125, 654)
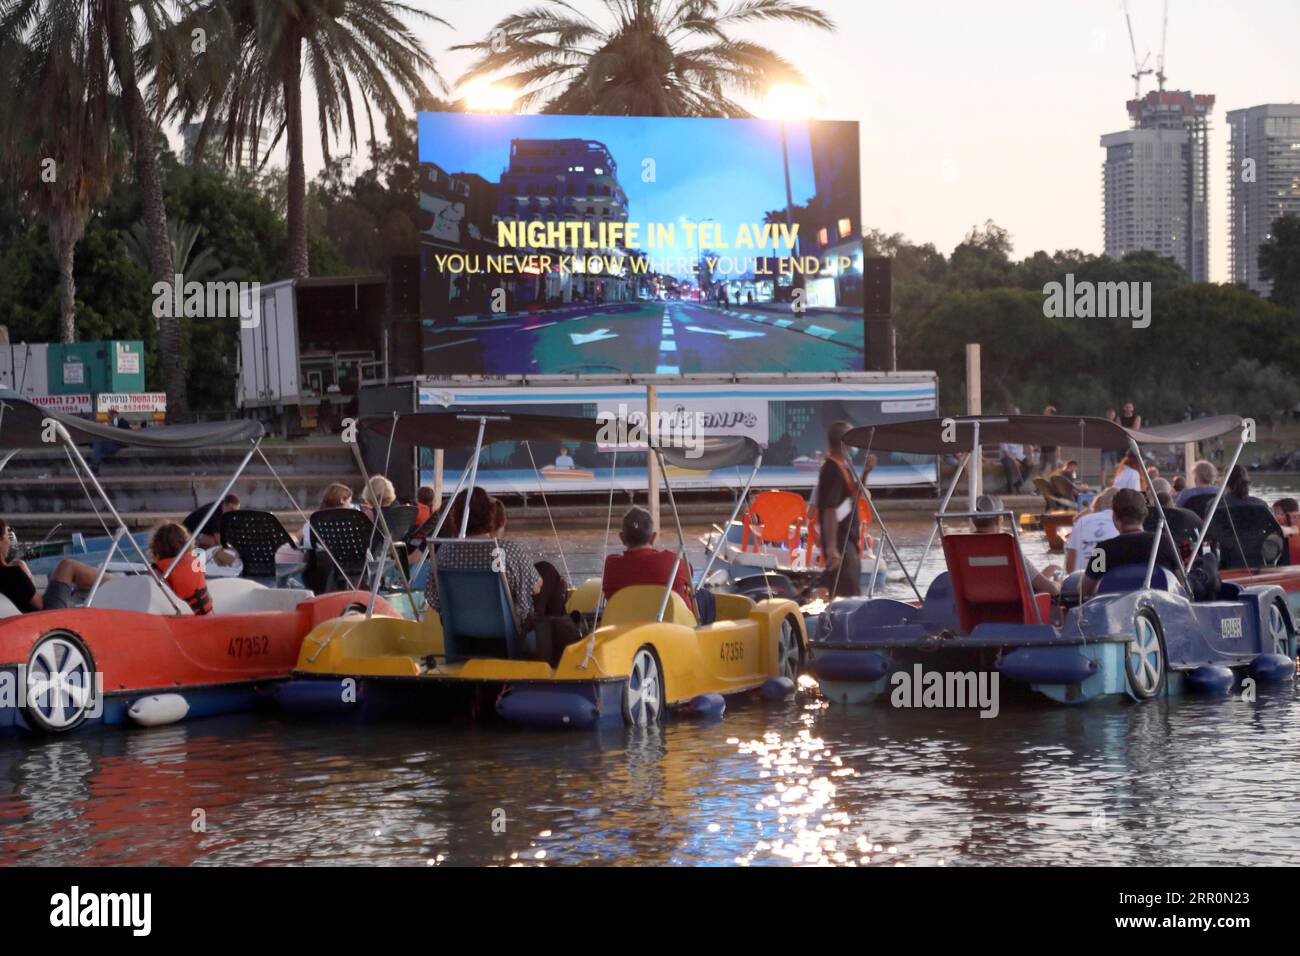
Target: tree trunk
(296, 256)
(65, 245)
(149, 178)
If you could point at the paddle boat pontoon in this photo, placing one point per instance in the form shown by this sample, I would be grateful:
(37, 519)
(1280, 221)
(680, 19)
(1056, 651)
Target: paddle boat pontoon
(1141, 634)
(135, 652)
(644, 651)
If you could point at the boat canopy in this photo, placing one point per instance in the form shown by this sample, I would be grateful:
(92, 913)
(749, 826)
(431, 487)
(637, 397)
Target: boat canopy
(940, 436)
(460, 429)
(711, 453)
(22, 426)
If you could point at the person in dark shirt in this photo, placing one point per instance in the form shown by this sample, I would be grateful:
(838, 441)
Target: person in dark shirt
(641, 562)
(17, 585)
(1133, 546)
(836, 513)
(210, 536)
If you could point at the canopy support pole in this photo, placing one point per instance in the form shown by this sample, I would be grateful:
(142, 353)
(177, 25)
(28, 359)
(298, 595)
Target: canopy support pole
(889, 540)
(103, 569)
(473, 474)
(1205, 525)
(722, 535)
(952, 488)
(388, 544)
(1163, 530)
(681, 540)
(194, 535)
(68, 443)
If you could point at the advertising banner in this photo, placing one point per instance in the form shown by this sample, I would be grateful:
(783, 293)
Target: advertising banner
(788, 421)
(131, 403)
(639, 245)
(67, 404)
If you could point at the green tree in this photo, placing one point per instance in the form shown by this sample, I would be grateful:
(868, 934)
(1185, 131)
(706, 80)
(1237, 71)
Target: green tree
(651, 58)
(109, 29)
(1279, 261)
(252, 74)
(58, 140)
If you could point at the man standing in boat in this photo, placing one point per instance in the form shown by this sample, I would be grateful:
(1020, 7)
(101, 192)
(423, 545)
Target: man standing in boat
(835, 507)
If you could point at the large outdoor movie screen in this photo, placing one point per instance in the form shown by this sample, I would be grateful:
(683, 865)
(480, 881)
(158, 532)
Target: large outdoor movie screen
(631, 245)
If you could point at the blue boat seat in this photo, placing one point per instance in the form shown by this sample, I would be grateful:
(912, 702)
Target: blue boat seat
(939, 612)
(1130, 577)
(478, 619)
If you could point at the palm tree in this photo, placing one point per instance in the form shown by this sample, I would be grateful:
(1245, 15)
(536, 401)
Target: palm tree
(655, 58)
(110, 29)
(257, 79)
(56, 139)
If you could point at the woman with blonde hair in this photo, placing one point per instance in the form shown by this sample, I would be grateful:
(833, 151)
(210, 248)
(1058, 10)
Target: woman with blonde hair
(379, 493)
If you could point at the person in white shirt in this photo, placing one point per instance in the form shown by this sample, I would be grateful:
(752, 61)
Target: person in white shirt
(1014, 464)
(564, 459)
(1129, 474)
(1089, 530)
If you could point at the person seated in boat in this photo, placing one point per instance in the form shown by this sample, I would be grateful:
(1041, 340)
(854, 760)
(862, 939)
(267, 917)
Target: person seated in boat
(1179, 483)
(1044, 581)
(186, 579)
(1287, 513)
(378, 493)
(641, 562)
(1090, 528)
(1184, 524)
(537, 589)
(17, 585)
(1237, 492)
(423, 506)
(1205, 481)
(209, 538)
(1129, 473)
(564, 460)
(1133, 546)
(336, 495)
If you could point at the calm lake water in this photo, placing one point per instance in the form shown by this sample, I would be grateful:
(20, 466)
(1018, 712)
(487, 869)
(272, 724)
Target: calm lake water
(1185, 781)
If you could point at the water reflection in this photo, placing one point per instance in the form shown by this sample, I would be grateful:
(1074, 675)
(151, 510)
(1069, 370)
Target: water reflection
(1187, 781)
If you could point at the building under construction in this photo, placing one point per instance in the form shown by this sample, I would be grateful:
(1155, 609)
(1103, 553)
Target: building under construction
(1155, 180)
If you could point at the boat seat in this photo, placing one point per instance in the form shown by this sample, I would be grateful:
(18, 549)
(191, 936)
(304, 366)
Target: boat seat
(639, 604)
(138, 592)
(775, 517)
(988, 581)
(478, 619)
(8, 608)
(939, 610)
(1130, 577)
(242, 596)
(255, 536)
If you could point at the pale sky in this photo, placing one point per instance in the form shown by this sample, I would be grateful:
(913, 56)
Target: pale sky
(992, 109)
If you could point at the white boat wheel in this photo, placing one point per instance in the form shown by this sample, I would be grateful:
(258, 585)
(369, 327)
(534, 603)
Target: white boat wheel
(1146, 659)
(787, 654)
(644, 691)
(1277, 630)
(60, 682)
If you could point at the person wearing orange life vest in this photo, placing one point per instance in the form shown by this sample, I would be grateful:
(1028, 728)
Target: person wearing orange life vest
(186, 579)
(836, 514)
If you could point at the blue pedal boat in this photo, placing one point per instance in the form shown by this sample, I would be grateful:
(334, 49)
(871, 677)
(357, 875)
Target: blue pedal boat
(1140, 635)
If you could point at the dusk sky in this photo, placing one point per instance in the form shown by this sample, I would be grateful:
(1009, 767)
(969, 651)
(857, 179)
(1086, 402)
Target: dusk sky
(971, 111)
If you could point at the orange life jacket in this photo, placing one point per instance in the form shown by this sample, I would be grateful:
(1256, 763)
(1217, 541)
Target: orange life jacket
(188, 582)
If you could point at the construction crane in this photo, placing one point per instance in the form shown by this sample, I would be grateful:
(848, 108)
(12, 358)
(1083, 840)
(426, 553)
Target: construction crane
(1160, 61)
(1140, 68)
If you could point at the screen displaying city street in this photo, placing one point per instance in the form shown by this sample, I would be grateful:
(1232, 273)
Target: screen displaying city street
(632, 245)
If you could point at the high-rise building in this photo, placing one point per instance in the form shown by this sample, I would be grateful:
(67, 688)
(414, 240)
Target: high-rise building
(1263, 182)
(213, 151)
(1155, 180)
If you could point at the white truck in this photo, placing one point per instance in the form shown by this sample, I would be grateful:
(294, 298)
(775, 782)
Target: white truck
(305, 350)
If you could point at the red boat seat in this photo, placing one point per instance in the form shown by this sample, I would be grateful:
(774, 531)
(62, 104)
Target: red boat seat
(1293, 542)
(988, 581)
(775, 517)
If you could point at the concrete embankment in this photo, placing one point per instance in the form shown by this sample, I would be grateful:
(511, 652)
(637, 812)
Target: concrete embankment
(40, 491)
